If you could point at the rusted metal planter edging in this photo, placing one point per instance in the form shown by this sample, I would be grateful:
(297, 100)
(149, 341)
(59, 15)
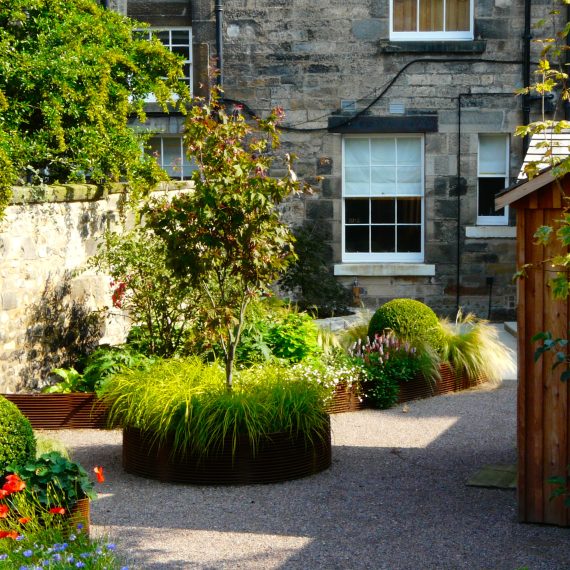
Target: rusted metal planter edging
(346, 399)
(61, 411)
(419, 388)
(279, 457)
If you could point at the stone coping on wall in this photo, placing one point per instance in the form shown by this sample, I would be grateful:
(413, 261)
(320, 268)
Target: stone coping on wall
(82, 192)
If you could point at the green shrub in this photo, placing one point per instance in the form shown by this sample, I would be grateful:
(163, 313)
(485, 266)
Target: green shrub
(410, 320)
(387, 362)
(17, 440)
(54, 480)
(189, 400)
(294, 337)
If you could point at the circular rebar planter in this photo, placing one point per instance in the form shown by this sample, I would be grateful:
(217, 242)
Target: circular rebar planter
(278, 457)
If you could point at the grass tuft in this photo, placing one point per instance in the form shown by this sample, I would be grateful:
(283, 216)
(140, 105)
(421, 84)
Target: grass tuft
(188, 401)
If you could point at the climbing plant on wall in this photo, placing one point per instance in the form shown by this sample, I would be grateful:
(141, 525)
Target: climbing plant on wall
(71, 76)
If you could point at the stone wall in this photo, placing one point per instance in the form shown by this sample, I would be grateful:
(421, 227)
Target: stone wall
(52, 307)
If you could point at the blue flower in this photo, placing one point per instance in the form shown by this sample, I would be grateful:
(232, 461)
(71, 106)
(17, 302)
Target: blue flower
(72, 537)
(3, 556)
(20, 537)
(111, 546)
(57, 557)
(80, 564)
(28, 553)
(23, 568)
(79, 526)
(85, 554)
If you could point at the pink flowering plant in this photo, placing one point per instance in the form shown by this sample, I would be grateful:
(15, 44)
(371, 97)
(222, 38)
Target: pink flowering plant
(386, 361)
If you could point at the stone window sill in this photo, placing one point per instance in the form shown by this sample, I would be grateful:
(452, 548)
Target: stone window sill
(486, 232)
(384, 270)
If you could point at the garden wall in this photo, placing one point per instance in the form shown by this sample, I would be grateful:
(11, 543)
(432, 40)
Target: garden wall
(52, 307)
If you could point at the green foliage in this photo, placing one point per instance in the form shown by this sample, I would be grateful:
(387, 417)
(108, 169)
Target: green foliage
(54, 480)
(311, 279)
(51, 545)
(410, 320)
(558, 346)
(17, 440)
(161, 302)
(226, 235)
(472, 345)
(188, 399)
(561, 489)
(72, 74)
(294, 337)
(103, 362)
(387, 362)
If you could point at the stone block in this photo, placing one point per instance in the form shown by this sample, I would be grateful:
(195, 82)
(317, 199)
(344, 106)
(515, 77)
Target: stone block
(369, 30)
(10, 300)
(320, 210)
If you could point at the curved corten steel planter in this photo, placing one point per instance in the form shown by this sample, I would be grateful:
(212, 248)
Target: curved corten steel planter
(61, 411)
(419, 387)
(346, 399)
(279, 457)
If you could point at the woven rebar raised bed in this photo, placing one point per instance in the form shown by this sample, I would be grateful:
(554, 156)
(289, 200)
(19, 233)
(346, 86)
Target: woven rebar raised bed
(61, 411)
(80, 514)
(279, 457)
(419, 387)
(346, 399)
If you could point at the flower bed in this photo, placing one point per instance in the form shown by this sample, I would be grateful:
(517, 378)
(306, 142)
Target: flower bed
(61, 411)
(278, 457)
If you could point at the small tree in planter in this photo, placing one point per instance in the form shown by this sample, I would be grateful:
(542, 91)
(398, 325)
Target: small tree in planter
(226, 235)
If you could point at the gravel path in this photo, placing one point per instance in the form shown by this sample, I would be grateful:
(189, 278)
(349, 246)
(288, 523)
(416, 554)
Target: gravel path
(395, 498)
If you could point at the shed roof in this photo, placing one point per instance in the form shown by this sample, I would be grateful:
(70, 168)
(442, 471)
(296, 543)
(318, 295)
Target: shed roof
(560, 145)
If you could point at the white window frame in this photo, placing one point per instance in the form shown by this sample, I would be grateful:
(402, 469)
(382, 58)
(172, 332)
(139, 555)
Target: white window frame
(185, 169)
(187, 29)
(420, 36)
(395, 257)
(501, 220)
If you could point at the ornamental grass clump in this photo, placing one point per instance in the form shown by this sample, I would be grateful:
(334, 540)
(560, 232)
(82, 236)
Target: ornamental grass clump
(472, 346)
(187, 400)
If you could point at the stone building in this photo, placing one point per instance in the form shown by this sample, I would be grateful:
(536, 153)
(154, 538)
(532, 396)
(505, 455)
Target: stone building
(402, 113)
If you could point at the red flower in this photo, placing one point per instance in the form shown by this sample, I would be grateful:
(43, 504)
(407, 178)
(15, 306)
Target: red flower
(4, 510)
(57, 511)
(13, 484)
(24, 520)
(9, 534)
(3, 494)
(99, 472)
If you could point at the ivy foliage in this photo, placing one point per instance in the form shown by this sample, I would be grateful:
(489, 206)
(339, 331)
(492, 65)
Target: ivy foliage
(71, 76)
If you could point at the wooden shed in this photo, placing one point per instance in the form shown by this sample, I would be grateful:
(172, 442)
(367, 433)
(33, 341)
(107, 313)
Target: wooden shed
(543, 433)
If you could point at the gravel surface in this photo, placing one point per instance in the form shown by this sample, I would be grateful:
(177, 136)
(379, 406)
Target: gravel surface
(394, 498)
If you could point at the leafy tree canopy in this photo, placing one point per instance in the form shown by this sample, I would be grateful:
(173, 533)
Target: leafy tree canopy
(71, 76)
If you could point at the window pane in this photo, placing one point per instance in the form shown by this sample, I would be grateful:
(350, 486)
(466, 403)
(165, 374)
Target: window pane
(431, 15)
(356, 239)
(409, 239)
(356, 212)
(184, 51)
(405, 15)
(155, 149)
(383, 180)
(493, 155)
(409, 181)
(409, 151)
(383, 239)
(383, 151)
(164, 37)
(356, 151)
(457, 16)
(181, 37)
(383, 211)
(488, 189)
(357, 181)
(409, 211)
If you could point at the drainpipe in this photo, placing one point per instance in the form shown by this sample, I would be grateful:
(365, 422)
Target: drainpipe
(527, 37)
(219, 43)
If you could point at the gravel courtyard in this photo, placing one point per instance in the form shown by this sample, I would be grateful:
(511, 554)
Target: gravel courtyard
(394, 498)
